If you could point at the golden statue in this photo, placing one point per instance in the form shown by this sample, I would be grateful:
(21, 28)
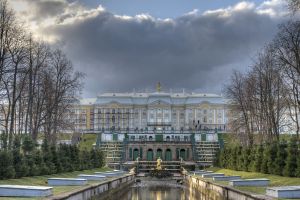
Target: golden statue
(158, 87)
(158, 164)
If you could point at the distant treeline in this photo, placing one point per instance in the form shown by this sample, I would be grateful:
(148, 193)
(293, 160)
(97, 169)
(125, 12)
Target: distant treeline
(27, 159)
(279, 158)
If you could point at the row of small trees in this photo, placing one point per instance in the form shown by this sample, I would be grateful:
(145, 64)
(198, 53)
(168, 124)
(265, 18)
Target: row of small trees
(27, 159)
(279, 158)
(38, 84)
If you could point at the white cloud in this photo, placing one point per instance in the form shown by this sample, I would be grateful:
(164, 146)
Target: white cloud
(273, 8)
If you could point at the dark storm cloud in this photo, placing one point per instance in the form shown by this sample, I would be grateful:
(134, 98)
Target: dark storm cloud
(195, 51)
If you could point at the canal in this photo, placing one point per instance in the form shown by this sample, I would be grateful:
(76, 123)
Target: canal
(154, 190)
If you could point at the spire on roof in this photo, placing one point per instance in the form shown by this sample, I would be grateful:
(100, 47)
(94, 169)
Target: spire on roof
(158, 87)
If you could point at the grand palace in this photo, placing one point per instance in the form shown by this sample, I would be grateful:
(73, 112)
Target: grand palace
(148, 125)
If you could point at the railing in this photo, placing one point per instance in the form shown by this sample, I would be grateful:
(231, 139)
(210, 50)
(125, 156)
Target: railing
(159, 123)
(164, 140)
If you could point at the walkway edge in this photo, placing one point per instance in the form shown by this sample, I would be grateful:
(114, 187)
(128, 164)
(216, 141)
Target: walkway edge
(90, 191)
(208, 189)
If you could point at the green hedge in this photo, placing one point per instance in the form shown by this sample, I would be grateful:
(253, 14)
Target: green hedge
(30, 160)
(279, 158)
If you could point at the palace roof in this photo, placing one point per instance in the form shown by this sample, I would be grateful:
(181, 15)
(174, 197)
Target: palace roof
(154, 98)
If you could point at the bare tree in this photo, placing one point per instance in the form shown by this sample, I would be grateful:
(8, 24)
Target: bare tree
(258, 100)
(287, 47)
(239, 107)
(294, 5)
(37, 85)
(62, 87)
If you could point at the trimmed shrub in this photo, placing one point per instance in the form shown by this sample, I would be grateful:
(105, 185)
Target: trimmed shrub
(281, 155)
(16, 163)
(7, 169)
(291, 161)
(258, 159)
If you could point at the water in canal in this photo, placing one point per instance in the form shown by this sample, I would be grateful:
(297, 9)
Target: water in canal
(155, 190)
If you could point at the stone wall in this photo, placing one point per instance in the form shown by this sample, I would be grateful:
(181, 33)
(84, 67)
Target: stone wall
(99, 190)
(203, 189)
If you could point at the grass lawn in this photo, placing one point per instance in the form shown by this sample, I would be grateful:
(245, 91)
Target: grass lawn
(87, 141)
(41, 181)
(274, 179)
(60, 136)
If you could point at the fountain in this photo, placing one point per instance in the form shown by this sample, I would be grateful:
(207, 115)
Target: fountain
(159, 172)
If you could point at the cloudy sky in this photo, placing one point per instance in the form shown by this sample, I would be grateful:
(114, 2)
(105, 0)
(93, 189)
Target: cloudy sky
(126, 44)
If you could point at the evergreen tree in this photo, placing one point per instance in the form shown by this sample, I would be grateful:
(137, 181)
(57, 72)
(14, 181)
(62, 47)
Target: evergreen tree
(44, 169)
(45, 146)
(85, 159)
(230, 161)
(62, 154)
(246, 154)
(48, 166)
(101, 158)
(281, 155)
(216, 161)
(38, 165)
(19, 163)
(6, 165)
(74, 157)
(239, 158)
(28, 145)
(258, 158)
(94, 159)
(221, 158)
(265, 158)
(227, 156)
(56, 160)
(97, 158)
(272, 154)
(297, 173)
(291, 161)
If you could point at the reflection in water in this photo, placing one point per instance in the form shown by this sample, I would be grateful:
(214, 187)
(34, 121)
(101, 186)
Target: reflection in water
(156, 190)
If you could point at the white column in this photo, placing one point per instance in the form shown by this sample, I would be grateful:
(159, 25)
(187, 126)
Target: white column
(223, 115)
(215, 121)
(140, 118)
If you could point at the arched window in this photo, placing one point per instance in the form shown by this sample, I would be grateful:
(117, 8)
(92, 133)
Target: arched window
(182, 154)
(149, 155)
(135, 154)
(168, 138)
(159, 153)
(168, 156)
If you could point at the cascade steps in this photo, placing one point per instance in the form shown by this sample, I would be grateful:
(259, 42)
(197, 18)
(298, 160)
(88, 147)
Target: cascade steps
(205, 152)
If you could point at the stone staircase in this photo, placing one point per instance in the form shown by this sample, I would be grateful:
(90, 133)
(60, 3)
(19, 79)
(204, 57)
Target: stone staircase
(113, 152)
(205, 152)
